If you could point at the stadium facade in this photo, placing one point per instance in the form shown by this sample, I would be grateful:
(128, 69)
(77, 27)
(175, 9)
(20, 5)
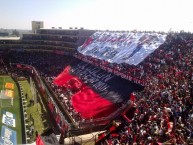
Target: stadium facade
(58, 40)
(36, 25)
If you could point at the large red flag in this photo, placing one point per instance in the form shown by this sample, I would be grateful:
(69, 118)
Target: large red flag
(91, 105)
(63, 77)
(86, 101)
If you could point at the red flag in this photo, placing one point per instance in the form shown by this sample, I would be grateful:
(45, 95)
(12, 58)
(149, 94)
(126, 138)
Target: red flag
(101, 136)
(115, 135)
(19, 66)
(132, 97)
(112, 128)
(170, 126)
(27, 67)
(85, 100)
(63, 77)
(128, 120)
(39, 141)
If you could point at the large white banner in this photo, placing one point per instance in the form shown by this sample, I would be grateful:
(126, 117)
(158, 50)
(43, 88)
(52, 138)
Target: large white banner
(122, 47)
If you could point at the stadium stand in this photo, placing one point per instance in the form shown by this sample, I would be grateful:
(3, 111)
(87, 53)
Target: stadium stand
(160, 114)
(57, 40)
(165, 113)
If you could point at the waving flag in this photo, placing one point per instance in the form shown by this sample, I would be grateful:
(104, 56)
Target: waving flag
(97, 93)
(64, 77)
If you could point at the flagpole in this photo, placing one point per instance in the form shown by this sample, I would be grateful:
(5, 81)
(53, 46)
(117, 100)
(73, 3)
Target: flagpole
(169, 30)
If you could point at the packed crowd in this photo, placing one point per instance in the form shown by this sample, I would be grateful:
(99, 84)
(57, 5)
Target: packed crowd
(151, 65)
(3, 69)
(41, 43)
(64, 96)
(120, 52)
(49, 65)
(72, 39)
(165, 111)
(58, 32)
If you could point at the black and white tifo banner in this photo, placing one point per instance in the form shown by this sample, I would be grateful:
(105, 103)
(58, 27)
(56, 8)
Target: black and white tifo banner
(122, 47)
(108, 85)
(8, 119)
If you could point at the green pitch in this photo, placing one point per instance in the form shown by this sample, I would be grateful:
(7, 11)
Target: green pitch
(15, 109)
(37, 111)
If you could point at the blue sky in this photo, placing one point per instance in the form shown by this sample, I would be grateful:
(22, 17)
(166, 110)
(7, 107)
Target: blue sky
(99, 14)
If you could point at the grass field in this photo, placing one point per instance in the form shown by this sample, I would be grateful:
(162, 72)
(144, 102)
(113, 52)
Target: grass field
(36, 111)
(15, 109)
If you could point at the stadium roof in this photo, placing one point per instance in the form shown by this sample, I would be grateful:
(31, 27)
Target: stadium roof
(9, 38)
